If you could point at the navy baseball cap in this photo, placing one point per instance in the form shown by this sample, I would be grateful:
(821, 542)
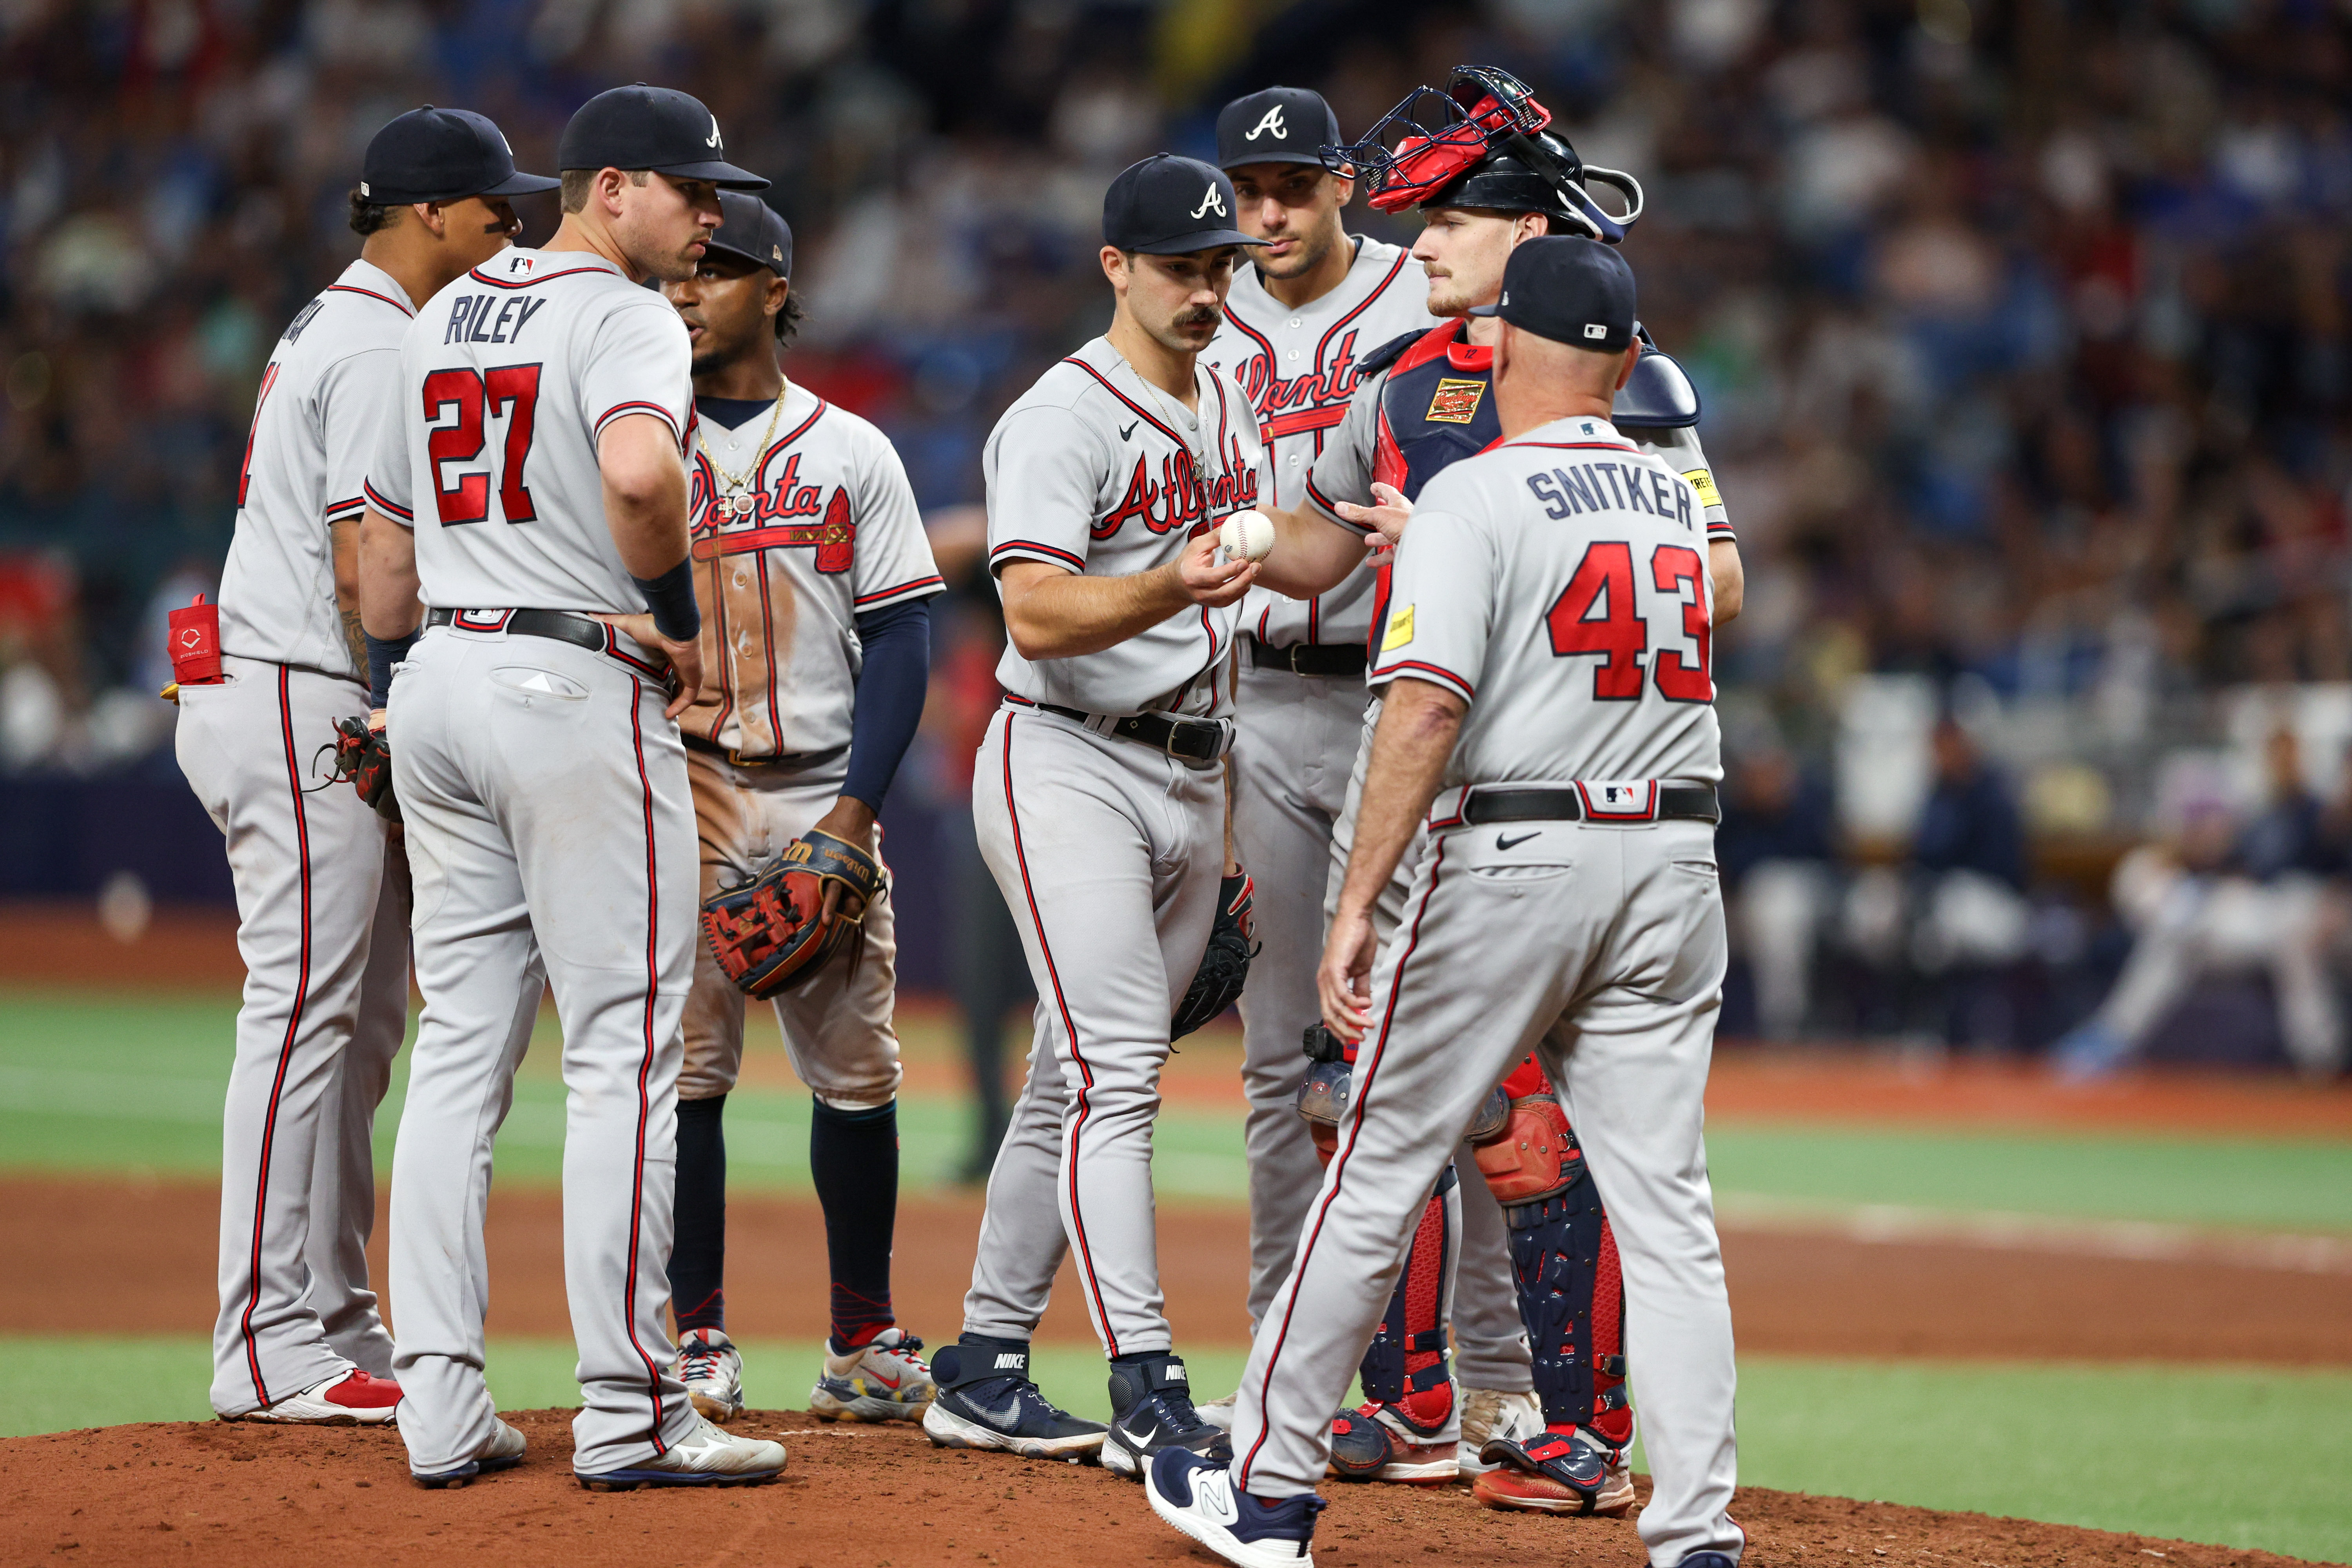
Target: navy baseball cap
(432, 154)
(1572, 289)
(751, 230)
(1278, 125)
(656, 128)
(1168, 206)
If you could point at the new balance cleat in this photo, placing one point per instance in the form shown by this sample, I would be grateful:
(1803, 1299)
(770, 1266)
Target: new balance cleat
(881, 1380)
(1197, 1496)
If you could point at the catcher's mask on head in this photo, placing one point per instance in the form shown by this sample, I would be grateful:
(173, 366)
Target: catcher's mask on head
(1482, 144)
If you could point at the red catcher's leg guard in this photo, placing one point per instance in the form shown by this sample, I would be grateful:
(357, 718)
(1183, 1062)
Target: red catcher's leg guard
(1611, 1417)
(1408, 1364)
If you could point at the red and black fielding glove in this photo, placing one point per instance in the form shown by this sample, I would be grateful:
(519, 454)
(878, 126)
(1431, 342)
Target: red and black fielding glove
(363, 756)
(1224, 967)
(776, 930)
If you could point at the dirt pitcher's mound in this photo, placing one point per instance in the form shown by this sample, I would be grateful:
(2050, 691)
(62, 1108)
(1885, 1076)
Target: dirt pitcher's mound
(224, 1496)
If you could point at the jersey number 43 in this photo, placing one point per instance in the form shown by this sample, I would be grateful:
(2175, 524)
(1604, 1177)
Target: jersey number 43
(509, 392)
(1596, 614)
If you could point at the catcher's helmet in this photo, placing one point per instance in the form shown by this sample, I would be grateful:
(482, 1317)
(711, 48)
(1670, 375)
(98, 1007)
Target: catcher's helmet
(1482, 144)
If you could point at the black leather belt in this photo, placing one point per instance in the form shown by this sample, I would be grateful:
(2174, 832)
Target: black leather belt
(1201, 740)
(1310, 657)
(1489, 802)
(580, 631)
(788, 760)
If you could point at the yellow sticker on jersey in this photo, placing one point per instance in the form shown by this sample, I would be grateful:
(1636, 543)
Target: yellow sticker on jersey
(1704, 483)
(1456, 402)
(1399, 629)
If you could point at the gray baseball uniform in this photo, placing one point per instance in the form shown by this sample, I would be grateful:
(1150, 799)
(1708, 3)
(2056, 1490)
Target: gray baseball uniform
(1296, 734)
(1557, 585)
(548, 821)
(828, 531)
(1489, 1338)
(322, 889)
(1107, 850)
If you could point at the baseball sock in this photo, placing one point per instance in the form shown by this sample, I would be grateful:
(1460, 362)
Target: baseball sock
(697, 1255)
(854, 1161)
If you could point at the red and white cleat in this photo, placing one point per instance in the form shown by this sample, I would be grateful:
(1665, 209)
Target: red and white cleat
(353, 1399)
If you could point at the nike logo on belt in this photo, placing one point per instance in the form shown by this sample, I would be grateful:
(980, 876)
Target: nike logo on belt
(1503, 843)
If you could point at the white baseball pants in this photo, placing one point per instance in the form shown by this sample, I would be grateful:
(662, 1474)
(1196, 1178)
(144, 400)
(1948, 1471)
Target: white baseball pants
(322, 908)
(550, 827)
(1604, 947)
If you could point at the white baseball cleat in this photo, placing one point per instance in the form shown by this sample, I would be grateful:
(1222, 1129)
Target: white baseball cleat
(881, 1380)
(712, 1370)
(347, 1399)
(1491, 1413)
(503, 1452)
(707, 1456)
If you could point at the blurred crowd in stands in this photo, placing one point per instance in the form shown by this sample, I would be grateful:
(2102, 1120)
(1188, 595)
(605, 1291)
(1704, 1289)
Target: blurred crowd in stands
(2020, 327)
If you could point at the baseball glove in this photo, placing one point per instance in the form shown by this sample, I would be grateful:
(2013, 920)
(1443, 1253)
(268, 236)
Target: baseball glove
(1224, 967)
(776, 930)
(363, 757)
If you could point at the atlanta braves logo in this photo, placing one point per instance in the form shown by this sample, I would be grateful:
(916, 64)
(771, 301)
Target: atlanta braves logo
(713, 141)
(1214, 202)
(1272, 122)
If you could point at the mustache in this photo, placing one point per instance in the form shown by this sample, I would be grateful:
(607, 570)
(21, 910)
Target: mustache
(1199, 319)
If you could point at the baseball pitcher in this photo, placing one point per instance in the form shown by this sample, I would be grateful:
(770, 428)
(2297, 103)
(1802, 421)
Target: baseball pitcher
(1099, 805)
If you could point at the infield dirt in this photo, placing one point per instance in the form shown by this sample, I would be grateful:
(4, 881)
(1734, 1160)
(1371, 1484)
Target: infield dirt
(224, 1496)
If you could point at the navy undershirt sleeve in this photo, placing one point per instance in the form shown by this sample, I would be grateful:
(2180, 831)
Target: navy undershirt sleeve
(890, 689)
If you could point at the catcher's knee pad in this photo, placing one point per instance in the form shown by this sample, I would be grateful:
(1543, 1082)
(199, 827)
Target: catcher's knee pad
(1535, 1155)
(1323, 1096)
(1408, 1364)
(1572, 1300)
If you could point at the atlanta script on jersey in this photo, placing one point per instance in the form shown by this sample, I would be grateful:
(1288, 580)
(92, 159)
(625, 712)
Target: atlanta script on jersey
(1095, 470)
(825, 530)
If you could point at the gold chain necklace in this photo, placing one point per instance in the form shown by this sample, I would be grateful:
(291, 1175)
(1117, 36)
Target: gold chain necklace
(735, 499)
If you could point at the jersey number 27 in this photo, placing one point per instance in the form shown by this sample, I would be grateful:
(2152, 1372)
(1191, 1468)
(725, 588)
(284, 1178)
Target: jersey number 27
(510, 391)
(1595, 613)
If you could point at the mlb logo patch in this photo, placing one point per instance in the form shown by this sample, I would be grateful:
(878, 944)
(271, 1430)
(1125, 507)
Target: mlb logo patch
(1456, 401)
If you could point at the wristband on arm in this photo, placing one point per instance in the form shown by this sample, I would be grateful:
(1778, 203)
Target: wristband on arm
(670, 597)
(383, 654)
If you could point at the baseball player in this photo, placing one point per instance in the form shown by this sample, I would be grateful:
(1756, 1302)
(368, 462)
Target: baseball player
(1099, 805)
(545, 407)
(814, 577)
(1493, 180)
(1314, 300)
(1547, 660)
(322, 893)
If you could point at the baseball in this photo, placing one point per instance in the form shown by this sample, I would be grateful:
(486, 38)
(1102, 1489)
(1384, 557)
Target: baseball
(1246, 536)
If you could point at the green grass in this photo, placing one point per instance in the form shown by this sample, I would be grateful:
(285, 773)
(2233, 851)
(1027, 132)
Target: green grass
(2273, 1184)
(2247, 1457)
(133, 1084)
